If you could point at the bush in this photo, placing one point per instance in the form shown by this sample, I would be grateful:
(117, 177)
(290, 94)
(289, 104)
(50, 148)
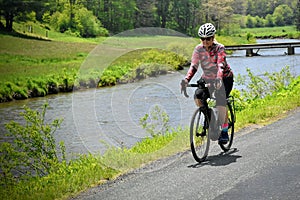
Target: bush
(156, 122)
(31, 148)
(88, 25)
(258, 87)
(84, 24)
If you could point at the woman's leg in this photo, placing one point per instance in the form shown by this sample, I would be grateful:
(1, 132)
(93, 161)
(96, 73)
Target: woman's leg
(223, 112)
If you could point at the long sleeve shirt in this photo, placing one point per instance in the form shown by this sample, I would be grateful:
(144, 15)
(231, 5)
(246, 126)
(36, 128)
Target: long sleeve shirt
(213, 63)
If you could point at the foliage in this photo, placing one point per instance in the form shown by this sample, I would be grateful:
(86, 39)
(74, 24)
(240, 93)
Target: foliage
(260, 111)
(156, 122)
(220, 12)
(147, 63)
(31, 149)
(145, 13)
(10, 9)
(84, 24)
(258, 87)
(297, 14)
(88, 25)
(85, 18)
(283, 15)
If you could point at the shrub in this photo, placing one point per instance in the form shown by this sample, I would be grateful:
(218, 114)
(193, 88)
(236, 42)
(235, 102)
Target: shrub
(30, 149)
(156, 122)
(258, 87)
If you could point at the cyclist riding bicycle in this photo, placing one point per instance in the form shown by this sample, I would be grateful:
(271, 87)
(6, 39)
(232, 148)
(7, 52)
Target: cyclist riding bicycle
(211, 56)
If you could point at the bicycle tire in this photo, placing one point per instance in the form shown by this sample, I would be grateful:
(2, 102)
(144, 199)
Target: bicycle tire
(231, 121)
(199, 135)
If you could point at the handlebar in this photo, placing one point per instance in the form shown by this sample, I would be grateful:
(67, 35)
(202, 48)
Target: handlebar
(200, 83)
(207, 85)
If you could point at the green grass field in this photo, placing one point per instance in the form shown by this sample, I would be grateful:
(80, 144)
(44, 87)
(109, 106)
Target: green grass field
(272, 32)
(33, 58)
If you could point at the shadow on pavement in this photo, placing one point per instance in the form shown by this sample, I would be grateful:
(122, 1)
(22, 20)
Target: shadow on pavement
(222, 159)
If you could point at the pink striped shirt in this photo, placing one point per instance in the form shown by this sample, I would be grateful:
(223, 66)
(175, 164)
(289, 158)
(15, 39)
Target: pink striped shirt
(213, 63)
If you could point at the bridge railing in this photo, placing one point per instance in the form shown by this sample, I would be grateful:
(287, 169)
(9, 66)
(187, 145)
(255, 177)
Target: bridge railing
(250, 47)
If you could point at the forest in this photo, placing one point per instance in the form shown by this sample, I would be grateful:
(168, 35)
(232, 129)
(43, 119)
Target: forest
(92, 18)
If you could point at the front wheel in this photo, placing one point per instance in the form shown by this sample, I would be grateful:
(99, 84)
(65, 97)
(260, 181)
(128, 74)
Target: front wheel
(231, 120)
(199, 135)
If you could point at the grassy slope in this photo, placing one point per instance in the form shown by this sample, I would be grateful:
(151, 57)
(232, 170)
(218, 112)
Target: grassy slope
(26, 57)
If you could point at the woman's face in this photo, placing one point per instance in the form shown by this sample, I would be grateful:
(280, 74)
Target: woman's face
(207, 42)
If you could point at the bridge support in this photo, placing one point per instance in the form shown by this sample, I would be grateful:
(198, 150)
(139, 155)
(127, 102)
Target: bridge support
(249, 52)
(291, 50)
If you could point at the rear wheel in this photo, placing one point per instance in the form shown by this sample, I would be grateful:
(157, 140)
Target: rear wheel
(199, 136)
(231, 120)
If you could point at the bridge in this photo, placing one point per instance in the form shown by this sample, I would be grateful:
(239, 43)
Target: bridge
(250, 47)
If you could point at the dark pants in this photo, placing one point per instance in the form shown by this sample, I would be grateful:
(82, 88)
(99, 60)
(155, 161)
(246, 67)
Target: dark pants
(220, 95)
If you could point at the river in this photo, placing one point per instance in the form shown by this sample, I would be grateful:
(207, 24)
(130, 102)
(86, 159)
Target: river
(95, 119)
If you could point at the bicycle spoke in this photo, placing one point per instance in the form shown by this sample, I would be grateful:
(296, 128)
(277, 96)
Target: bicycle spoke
(199, 136)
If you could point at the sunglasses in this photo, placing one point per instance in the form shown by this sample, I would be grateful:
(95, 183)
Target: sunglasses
(207, 39)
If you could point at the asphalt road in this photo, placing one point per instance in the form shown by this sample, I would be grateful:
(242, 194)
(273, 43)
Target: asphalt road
(263, 164)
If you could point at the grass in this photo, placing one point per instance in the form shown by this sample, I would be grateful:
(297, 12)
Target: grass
(272, 32)
(34, 58)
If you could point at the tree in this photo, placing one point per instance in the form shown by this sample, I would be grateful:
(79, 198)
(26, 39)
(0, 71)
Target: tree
(298, 16)
(145, 14)
(116, 16)
(84, 24)
(87, 24)
(123, 13)
(269, 20)
(250, 22)
(185, 16)
(219, 11)
(12, 8)
(72, 3)
(163, 11)
(259, 21)
(283, 15)
(239, 7)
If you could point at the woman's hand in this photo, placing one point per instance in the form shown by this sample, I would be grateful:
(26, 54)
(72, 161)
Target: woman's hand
(183, 86)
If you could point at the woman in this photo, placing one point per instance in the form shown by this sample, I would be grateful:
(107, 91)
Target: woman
(211, 56)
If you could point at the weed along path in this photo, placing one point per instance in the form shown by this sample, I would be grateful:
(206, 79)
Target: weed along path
(263, 164)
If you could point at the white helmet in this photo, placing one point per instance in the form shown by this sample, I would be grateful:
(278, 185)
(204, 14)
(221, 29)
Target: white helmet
(206, 30)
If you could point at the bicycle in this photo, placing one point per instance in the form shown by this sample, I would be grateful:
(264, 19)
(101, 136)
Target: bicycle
(205, 125)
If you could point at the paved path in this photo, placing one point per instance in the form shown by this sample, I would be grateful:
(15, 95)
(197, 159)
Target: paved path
(263, 164)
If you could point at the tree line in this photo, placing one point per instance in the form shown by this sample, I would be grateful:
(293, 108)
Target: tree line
(90, 18)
